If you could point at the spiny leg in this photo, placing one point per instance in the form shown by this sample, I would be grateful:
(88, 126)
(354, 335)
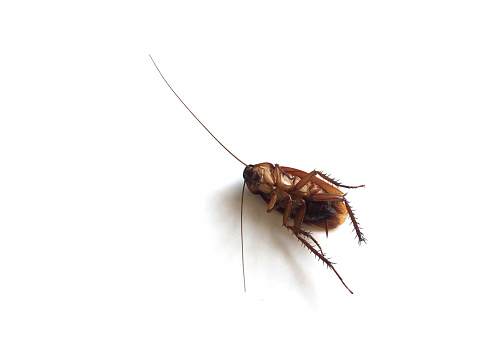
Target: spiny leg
(305, 234)
(311, 174)
(356, 225)
(331, 197)
(298, 232)
(298, 221)
(288, 201)
(335, 182)
(317, 254)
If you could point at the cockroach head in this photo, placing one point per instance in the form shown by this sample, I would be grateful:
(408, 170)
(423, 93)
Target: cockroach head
(250, 175)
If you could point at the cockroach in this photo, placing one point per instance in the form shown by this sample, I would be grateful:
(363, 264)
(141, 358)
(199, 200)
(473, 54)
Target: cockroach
(302, 197)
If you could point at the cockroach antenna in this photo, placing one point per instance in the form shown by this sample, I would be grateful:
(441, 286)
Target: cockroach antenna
(242, 194)
(201, 123)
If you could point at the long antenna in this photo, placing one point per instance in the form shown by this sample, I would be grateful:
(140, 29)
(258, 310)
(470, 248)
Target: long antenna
(242, 250)
(201, 123)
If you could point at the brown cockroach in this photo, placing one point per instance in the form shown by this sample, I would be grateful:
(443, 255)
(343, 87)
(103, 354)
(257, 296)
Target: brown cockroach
(298, 195)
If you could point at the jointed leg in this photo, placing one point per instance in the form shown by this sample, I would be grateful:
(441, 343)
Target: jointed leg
(334, 182)
(303, 235)
(331, 197)
(317, 254)
(311, 174)
(298, 231)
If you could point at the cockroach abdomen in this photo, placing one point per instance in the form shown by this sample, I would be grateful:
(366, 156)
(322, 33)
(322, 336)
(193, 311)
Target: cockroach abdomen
(318, 211)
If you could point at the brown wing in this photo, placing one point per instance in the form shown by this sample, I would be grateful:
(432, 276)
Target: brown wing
(340, 207)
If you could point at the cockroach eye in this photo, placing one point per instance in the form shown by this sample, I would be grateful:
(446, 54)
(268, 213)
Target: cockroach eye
(250, 176)
(247, 171)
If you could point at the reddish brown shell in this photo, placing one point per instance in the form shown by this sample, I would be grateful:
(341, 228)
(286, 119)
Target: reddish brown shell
(340, 207)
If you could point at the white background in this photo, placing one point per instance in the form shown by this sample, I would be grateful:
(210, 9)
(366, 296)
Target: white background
(119, 214)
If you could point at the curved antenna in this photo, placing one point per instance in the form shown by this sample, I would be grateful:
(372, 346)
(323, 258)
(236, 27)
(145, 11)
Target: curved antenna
(242, 251)
(201, 123)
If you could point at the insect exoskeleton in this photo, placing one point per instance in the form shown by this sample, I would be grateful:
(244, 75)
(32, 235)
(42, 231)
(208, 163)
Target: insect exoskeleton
(298, 195)
(320, 201)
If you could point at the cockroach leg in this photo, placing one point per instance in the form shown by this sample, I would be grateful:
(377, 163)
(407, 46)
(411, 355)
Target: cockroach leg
(305, 234)
(297, 224)
(277, 173)
(286, 202)
(304, 180)
(297, 232)
(359, 234)
(287, 212)
(302, 235)
(335, 182)
(311, 174)
(272, 203)
(298, 220)
(341, 197)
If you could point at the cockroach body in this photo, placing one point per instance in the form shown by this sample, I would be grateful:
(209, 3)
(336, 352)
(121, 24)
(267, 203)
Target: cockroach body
(301, 196)
(298, 195)
(305, 198)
